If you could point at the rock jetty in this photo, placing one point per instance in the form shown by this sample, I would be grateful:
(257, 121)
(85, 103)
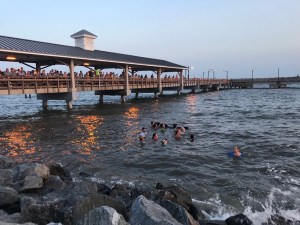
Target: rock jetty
(33, 193)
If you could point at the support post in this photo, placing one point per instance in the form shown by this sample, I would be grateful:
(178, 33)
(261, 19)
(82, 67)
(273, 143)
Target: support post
(72, 76)
(69, 104)
(45, 103)
(123, 98)
(136, 95)
(181, 80)
(38, 68)
(252, 78)
(126, 87)
(159, 87)
(101, 99)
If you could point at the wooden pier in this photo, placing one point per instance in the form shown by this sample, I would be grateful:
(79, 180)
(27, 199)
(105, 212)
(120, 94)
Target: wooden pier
(60, 88)
(40, 55)
(275, 82)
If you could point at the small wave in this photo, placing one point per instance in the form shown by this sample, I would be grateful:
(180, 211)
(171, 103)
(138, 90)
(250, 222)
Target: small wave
(214, 209)
(272, 209)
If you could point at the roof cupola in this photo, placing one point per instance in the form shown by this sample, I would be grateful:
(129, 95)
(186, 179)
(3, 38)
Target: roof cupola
(84, 39)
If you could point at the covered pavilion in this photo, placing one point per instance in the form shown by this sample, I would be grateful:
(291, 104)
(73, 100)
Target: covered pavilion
(43, 55)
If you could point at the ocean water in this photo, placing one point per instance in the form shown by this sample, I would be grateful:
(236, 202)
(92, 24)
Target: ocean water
(102, 140)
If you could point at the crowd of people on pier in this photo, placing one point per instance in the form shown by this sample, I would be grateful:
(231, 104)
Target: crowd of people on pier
(53, 73)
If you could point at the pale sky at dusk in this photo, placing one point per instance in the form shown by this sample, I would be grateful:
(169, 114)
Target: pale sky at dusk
(233, 35)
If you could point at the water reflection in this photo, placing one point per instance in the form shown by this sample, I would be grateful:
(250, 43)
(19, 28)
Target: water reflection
(132, 113)
(88, 134)
(18, 142)
(191, 101)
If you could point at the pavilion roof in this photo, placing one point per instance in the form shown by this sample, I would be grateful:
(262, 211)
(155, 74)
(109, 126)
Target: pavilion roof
(29, 51)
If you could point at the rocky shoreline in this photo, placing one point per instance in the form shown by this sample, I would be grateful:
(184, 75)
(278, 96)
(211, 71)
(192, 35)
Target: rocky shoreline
(33, 193)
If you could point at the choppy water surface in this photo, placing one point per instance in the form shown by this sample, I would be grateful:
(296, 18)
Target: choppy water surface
(102, 140)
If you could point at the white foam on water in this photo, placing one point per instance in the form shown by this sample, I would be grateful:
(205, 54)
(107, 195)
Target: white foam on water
(269, 209)
(217, 210)
(97, 180)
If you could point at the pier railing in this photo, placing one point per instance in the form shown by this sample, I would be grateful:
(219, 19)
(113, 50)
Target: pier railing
(23, 85)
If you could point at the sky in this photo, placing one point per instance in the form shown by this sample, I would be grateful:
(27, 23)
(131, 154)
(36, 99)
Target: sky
(234, 35)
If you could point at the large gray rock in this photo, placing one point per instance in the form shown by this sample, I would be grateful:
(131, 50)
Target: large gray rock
(6, 177)
(52, 184)
(146, 212)
(6, 163)
(32, 182)
(8, 196)
(59, 170)
(178, 212)
(37, 169)
(13, 218)
(239, 219)
(180, 197)
(67, 206)
(104, 216)
(212, 222)
(4, 223)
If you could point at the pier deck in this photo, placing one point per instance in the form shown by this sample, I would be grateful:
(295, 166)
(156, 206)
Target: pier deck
(17, 85)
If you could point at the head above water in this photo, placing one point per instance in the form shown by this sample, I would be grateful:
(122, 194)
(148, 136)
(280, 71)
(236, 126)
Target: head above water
(236, 151)
(236, 148)
(164, 142)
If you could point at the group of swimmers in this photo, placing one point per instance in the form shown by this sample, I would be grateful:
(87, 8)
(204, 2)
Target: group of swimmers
(179, 131)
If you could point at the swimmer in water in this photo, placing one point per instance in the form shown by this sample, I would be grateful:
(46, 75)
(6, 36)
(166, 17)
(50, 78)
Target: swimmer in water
(154, 125)
(236, 151)
(164, 142)
(162, 127)
(182, 130)
(142, 135)
(192, 138)
(155, 137)
(177, 134)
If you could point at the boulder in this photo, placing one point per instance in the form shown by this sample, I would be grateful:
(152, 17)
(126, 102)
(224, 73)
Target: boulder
(8, 196)
(122, 193)
(13, 218)
(31, 182)
(104, 216)
(59, 170)
(6, 163)
(6, 177)
(120, 190)
(4, 223)
(239, 219)
(88, 187)
(212, 222)
(178, 212)
(37, 169)
(103, 189)
(146, 212)
(141, 189)
(67, 206)
(180, 197)
(52, 184)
